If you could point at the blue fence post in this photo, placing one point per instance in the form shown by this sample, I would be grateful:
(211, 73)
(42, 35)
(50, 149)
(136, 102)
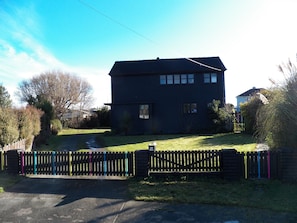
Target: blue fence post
(104, 164)
(35, 162)
(54, 162)
(259, 164)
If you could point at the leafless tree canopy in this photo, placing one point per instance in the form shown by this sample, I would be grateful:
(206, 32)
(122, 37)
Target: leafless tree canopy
(63, 90)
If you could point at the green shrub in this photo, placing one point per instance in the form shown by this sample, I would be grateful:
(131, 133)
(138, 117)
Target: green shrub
(56, 126)
(9, 132)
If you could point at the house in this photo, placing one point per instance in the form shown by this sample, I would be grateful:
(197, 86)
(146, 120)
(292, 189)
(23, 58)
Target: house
(165, 95)
(77, 114)
(246, 96)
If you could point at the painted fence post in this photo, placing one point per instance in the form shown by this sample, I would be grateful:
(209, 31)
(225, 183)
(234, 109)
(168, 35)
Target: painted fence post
(35, 162)
(104, 164)
(54, 162)
(245, 166)
(126, 163)
(70, 162)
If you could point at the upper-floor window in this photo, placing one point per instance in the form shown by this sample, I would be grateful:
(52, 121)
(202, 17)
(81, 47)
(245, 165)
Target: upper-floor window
(177, 79)
(162, 79)
(170, 79)
(210, 78)
(190, 108)
(184, 79)
(191, 78)
(144, 112)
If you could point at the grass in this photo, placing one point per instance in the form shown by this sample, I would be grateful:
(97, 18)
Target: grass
(67, 134)
(241, 142)
(262, 194)
(118, 143)
(7, 180)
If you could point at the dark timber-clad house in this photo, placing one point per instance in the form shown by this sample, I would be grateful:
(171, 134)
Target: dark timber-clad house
(165, 95)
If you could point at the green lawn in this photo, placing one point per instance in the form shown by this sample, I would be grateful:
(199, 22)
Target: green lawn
(263, 194)
(241, 142)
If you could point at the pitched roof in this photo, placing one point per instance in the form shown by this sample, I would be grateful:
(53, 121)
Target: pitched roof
(251, 92)
(167, 66)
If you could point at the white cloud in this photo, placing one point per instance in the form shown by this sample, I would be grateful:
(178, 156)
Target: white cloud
(22, 55)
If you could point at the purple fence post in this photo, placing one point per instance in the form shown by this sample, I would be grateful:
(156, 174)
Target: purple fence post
(268, 164)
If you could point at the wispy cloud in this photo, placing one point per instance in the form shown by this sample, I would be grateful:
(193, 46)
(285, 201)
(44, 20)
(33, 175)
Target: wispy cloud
(22, 54)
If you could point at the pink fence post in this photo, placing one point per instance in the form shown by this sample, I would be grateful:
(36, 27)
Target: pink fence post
(268, 164)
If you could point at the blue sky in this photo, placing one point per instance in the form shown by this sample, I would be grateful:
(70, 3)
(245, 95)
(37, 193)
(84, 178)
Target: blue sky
(86, 37)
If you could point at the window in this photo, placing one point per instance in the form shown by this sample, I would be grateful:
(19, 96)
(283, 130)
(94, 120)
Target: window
(176, 79)
(162, 79)
(213, 78)
(190, 108)
(144, 112)
(210, 78)
(191, 78)
(170, 79)
(184, 79)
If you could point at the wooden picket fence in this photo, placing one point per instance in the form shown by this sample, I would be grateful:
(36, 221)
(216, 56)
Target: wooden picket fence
(76, 163)
(21, 144)
(185, 161)
(264, 164)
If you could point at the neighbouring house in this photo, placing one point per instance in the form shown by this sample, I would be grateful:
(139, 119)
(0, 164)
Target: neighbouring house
(77, 114)
(165, 95)
(246, 96)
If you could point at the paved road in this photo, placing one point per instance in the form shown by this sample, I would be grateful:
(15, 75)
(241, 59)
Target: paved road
(91, 200)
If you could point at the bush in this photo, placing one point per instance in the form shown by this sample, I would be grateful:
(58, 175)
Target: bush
(277, 121)
(249, 112)
(9, 131)
(222, 117)
(56, 126)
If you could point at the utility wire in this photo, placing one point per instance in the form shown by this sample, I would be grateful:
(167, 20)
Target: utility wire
(140, 35)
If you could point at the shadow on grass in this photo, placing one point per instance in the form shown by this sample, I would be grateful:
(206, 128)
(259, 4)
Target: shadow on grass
(121, 140)
(232, 139)
(71, 142)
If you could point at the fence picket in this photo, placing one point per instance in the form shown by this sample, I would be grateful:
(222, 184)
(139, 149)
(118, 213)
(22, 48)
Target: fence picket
(253, 164)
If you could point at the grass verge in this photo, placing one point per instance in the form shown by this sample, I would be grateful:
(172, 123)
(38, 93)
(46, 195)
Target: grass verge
(262, 194)
(7, 180)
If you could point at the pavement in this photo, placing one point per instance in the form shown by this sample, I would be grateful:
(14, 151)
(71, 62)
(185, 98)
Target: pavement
(106, 199)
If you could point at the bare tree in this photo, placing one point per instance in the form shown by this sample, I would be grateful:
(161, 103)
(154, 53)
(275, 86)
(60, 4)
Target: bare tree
(63, 90)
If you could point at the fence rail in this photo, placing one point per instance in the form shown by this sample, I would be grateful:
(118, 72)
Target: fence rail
(264, 164)
(185, 161)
